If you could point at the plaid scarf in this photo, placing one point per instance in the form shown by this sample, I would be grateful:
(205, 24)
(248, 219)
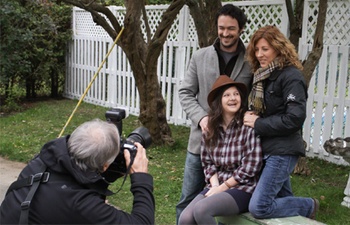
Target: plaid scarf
(256, 97)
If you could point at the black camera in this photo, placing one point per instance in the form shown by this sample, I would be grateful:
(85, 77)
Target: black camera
(141, 135)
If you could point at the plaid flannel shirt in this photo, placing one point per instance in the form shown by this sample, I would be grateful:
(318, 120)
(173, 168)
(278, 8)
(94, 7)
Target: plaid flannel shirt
(238, 153)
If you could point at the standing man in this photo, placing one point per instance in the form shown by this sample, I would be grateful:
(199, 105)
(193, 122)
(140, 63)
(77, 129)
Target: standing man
(224, 57)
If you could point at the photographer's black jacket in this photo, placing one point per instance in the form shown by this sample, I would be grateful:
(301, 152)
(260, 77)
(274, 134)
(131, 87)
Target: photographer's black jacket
(72, 196)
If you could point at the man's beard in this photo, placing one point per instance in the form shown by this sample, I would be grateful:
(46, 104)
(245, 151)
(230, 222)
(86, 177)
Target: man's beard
(229, 45)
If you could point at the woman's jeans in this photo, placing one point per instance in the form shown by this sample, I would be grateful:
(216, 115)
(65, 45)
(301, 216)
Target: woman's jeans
(273, 195)
(193, 182)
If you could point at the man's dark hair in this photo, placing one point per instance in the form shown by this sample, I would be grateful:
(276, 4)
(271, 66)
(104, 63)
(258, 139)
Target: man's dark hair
(234, 12)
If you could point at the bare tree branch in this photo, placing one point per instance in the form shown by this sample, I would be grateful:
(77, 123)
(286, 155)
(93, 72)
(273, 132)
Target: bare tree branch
(112, 28)
(204, 19)
(164, 26)
(313, 58)
(145, 19)
(295, 21)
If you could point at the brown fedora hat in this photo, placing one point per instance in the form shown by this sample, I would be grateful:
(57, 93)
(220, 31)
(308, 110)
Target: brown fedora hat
(224, 81)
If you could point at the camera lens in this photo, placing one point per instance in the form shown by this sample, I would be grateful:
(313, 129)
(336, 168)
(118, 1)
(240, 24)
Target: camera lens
(140, 135)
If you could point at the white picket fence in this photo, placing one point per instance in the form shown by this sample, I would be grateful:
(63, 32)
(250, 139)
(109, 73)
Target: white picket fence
(329, 100)
(328, 104)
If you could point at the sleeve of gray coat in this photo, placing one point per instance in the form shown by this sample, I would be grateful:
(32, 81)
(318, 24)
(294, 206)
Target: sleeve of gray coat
(189, 88)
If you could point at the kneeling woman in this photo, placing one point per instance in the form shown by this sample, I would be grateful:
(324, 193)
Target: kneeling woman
(231, 157)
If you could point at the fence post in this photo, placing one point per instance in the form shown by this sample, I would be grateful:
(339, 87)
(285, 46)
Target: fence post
(346, 199)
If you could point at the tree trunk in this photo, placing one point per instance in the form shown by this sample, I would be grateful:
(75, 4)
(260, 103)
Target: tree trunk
(30, 88)
(203, 13)
(152, 104)
(54, 83)
(7, 84)
(142, 56)
(313, 58)
(295, 21)
(143, 59)
(153, 111)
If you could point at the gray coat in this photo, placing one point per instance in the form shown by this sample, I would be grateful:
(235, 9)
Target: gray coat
(196, 85)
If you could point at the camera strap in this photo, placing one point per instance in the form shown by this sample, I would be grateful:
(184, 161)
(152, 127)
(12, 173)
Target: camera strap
(126, 174)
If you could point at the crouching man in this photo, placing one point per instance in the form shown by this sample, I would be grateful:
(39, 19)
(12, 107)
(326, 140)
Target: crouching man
(64, 184)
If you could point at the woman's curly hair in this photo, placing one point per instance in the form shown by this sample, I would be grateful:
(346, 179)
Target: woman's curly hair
(285, 49)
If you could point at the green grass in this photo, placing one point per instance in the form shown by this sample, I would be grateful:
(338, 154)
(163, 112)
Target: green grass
(23, 134)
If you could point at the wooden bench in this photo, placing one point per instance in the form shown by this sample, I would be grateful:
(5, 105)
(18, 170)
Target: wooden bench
(248, 219)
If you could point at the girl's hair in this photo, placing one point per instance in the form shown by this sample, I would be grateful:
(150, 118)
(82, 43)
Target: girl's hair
(286, 52)
(215, 118)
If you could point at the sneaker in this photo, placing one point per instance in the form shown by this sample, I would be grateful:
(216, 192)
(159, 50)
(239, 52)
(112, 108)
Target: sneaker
(316, 207)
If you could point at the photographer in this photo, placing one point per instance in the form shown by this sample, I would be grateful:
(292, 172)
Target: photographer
(72, 188)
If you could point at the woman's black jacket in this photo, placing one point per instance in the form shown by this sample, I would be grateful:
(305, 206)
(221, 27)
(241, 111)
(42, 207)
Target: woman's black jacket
(280, 126)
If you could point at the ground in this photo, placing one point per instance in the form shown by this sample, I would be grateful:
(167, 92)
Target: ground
(9, 171)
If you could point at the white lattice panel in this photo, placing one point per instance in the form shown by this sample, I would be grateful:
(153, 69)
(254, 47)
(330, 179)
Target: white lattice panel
(337, 27)
(192, 32)
(259, 16)
(84, 24)
(154, 15)
(338, 23)
(260, 13)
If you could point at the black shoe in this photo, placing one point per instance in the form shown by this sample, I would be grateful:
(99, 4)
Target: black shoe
(316, 207)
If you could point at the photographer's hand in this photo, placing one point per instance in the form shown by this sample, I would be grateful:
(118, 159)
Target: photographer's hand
(140, 164)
